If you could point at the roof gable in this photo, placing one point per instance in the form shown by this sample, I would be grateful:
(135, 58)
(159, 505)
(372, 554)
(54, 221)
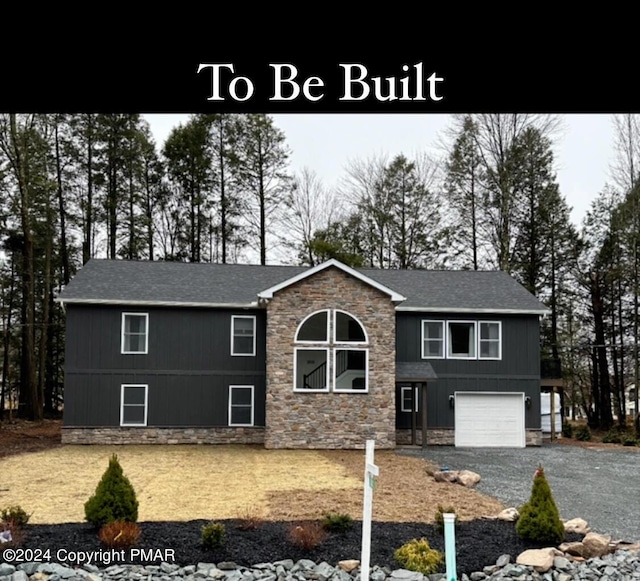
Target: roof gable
(393, 295)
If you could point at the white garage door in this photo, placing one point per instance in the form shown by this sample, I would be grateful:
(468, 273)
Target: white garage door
(489, 419)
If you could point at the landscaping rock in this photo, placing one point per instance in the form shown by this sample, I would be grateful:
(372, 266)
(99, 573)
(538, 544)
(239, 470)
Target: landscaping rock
(509, 514)
(577, 525)
(596, 545)
(465, 477)
(349, 565)
(468, 478)
(541, 560)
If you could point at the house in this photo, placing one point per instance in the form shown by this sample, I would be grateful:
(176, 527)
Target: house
(296, 357)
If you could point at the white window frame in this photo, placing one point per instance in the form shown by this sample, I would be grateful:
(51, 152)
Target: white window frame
(424, 339)
(343, 347)
(295, 370)
(122, 404)
(499, 340)
(305, 342)
(253, 349)
(146, 334)
(231, 405)
(474, 342)
(331, 347)
(416, 398)
(335, 328)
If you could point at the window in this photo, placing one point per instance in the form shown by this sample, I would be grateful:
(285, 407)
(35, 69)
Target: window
(461, 339)
(243, 335)
(314, 329)
(311, 369)
(432, 339)
(347, 329)
(336, 359)
(490, 341)
(241, 405)
(350, 369)
(133, 405)
(406, 401)
(134, 333)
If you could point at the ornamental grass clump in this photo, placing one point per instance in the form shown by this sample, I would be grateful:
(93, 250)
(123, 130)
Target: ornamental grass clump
(119, 534)
(114, 498)
(539, 520)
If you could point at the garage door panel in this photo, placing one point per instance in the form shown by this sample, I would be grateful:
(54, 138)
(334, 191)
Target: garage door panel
(485, 419)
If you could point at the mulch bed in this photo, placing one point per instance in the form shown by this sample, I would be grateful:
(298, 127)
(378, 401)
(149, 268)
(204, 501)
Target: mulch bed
(478, 543)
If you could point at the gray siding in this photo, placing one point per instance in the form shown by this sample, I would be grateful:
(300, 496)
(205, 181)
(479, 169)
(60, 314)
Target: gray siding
(517, 371)
(188, 360)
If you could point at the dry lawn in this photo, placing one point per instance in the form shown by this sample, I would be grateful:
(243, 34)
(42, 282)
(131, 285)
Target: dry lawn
(218, 482)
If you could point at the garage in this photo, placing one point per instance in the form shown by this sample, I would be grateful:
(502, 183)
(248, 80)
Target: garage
(489, 419)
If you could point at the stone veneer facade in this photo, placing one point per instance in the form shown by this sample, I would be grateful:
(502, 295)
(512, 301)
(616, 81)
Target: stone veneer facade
(136, 435)
(330, 419)
(447, 437)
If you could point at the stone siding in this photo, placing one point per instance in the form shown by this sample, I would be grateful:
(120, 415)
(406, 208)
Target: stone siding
(446, 437)
(108, 436)
(330, 419)
(533, 437)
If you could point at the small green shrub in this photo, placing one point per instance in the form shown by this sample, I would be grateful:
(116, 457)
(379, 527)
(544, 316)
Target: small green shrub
(114, 498)
(417, 555)
(583, 433)
(539, 519)
(612, 437)
(629, 441)
(15, 514)
(567, 430)
(335, 522)
(439, 518)
(213, 535)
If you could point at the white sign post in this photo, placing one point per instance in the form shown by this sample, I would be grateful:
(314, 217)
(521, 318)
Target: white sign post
(370, 474)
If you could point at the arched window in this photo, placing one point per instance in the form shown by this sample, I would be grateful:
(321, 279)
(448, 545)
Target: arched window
(331, 353)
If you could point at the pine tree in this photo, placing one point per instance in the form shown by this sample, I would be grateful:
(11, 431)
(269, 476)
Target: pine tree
(114, 498)
(539, 519)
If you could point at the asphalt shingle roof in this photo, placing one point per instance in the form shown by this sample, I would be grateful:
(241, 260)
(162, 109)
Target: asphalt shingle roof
(123, 281)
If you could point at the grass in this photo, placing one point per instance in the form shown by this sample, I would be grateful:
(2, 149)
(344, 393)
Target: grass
(217, 482)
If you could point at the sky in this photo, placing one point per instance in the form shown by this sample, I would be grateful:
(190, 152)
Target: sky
(326, 143)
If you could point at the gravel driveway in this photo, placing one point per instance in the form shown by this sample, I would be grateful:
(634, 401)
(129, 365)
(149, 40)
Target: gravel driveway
(601, 486)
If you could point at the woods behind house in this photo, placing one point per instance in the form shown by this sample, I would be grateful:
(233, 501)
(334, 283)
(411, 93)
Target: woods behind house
(221, 189)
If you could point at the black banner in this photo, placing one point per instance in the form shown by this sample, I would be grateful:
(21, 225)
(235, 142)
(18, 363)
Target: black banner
(154, 82)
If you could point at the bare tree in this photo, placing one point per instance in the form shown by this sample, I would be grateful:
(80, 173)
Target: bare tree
(310, 207)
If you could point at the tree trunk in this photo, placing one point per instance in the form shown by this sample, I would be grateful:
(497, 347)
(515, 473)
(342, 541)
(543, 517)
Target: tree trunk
(87, 244)
(64, 252)
(603, 402)
(28, 385)
(8, 327)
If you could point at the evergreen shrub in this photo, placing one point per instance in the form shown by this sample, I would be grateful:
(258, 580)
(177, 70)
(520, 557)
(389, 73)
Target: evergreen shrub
(213, 534)
(336, 522)
(114, 498)
(539, 519)
(417, 555)
(583, 433)
(15, 514)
